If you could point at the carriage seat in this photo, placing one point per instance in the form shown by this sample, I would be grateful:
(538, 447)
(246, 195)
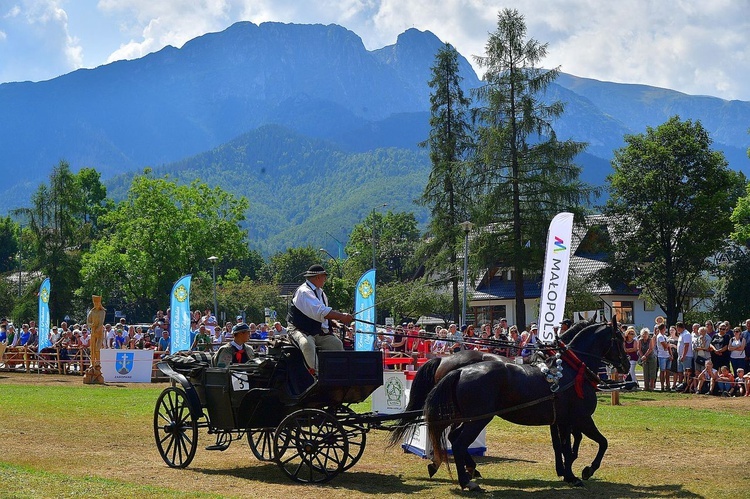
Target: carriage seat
(298, 377)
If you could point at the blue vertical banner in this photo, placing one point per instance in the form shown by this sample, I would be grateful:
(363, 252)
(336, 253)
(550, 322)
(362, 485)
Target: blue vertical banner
(364, 309)
(44, 321)
(179, 315)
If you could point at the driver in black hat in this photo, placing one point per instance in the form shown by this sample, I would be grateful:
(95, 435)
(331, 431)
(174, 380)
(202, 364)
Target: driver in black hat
(309, 316)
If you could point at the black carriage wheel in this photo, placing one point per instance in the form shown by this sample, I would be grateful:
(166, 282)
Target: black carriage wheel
(175, 429)
(310, 446)
(356, 436)
(261, 443)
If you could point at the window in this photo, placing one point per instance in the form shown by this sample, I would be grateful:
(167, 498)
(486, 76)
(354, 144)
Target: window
(623, 310)
(490, 315)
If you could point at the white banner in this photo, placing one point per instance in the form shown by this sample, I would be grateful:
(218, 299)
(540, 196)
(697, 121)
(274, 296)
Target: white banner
(127, 366)
(555, 280)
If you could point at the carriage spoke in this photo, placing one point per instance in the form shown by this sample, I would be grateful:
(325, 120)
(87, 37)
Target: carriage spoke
(175, 430)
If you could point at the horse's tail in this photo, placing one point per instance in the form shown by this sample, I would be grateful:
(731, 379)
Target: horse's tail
(423, 382)
(440, 410)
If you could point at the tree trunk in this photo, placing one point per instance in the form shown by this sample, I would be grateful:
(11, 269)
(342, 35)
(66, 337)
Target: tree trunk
(520, 299)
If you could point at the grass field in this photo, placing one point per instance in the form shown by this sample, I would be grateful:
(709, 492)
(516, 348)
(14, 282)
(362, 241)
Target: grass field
(61, 438)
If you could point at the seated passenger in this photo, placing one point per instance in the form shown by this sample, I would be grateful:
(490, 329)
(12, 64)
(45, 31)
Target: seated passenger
(236, 351)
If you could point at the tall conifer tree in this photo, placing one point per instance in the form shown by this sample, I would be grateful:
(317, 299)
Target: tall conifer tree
(522, 174)
(445, 193)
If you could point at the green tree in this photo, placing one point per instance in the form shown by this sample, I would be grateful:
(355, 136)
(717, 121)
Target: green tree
(732, 294)
(159, 233)
(741, 219)
(412, 300)
(396, 239)
(92, 202)
(446, 193)
(57, 233)
(670, 205)
(237, 295)
(290, 265)
(9, 237)
(522, 174)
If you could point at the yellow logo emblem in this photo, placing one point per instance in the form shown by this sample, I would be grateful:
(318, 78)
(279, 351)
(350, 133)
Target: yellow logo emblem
(181, 293)
(366, 289)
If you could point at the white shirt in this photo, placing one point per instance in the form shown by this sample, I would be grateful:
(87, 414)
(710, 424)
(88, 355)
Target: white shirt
(736, 354)
(661, 352)
(685, 338)
(110, 339)
(311, 301)
(272, 333)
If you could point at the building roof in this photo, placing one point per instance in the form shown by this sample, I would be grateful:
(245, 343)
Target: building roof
(586, 260)
(502, 289)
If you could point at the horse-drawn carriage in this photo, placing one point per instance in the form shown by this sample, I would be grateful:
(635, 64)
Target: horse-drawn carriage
(304, 423)
(290, 417)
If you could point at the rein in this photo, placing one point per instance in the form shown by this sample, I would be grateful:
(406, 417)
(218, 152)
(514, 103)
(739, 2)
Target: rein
(583, 372)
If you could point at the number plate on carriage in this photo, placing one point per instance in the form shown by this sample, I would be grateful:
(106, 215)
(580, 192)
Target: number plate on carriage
(240, 382)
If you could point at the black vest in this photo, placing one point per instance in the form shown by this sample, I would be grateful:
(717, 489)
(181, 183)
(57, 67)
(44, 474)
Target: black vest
(302, 322)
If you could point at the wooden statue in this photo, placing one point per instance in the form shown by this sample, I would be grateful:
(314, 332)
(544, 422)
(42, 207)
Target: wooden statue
(95, 322)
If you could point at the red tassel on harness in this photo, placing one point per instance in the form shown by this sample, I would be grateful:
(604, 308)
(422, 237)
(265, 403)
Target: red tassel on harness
(573, 361)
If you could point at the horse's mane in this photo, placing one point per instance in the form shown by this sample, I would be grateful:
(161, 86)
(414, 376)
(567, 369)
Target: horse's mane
(576, 328)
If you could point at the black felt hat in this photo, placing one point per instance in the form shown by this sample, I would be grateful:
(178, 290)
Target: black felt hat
(315, 270)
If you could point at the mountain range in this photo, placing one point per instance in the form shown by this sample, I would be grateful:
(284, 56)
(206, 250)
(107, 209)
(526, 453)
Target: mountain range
(302, 119)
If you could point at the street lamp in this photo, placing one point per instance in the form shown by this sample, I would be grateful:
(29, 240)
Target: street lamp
(20, 262)
(338, 265)
(466, 226)
(213, 260)
(373, 232)
(339, 244)
(19, 272)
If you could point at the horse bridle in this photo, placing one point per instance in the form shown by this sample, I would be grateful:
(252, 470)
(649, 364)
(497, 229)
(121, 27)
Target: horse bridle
(613, 343)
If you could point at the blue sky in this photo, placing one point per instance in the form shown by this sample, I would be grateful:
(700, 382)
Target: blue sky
(697, 47)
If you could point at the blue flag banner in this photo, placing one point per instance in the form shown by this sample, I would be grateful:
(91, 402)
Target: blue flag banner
(364, 308)
(179, 318)
(44, 321)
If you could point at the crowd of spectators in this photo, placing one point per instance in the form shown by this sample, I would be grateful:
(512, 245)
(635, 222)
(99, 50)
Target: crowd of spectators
(705, 360)
(69, 344)
(702, 360)
(410, 340)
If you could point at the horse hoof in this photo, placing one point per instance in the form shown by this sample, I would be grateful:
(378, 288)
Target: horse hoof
(431, 469)
(473, 473)
(574, 481)
(587, 473)
(473, 487)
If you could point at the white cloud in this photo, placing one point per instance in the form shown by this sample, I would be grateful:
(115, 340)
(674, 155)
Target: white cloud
(37, 43)
(690, 45)
(13, 12)
(153, 25)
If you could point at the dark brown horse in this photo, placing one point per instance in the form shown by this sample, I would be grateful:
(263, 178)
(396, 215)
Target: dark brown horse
(435, 369)
(474, 394)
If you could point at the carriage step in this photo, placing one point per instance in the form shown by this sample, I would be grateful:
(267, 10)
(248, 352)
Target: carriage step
(221, 447)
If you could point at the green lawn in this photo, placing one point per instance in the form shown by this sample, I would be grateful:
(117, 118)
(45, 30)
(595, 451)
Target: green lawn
(70, 440)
